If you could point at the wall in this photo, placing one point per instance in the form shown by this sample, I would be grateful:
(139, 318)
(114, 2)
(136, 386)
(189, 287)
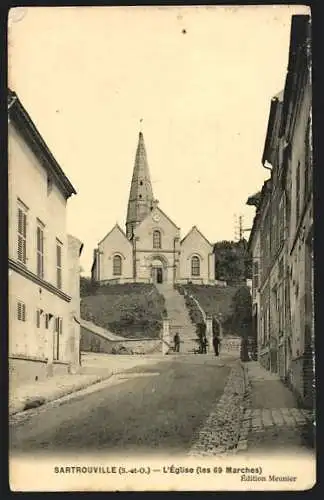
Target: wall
(145, 253)
(301, 323)
(28, 182)
(73, 342)
(23, 370)
(115, 243)
(29, 345)
(195, 244)
(93, 342)
(24, 336)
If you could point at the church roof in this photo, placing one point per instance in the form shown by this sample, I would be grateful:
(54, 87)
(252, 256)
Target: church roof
(195, 228)
(116, 226)
(141, 192)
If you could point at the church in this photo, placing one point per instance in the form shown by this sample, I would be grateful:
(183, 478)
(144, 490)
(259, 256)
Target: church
(151, 250)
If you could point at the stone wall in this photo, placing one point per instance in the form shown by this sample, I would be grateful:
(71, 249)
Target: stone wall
(93, 342)
(24, 370)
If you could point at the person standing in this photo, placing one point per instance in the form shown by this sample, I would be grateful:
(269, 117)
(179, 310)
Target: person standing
(216, 342)
(204, 343)
(177, 341)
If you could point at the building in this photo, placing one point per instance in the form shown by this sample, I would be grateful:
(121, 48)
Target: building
(295, 133)
(151, 250)
(44, 288)
(281, 240)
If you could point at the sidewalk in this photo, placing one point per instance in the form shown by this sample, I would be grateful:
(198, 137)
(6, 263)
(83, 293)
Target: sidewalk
(95, 368)
(273, 422)
(33, 394)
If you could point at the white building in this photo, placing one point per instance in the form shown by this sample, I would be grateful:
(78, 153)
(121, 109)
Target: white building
(44, 296)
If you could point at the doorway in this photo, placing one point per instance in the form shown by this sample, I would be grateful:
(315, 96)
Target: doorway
(157, 274)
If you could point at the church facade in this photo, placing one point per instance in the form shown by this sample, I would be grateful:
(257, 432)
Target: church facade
(151, 249)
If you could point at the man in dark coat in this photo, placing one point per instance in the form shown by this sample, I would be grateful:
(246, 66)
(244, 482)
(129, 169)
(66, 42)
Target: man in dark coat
(176, 341)
(216, 342)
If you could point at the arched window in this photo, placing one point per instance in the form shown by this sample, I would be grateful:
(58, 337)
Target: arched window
(195, 266)
(117, 265)
(156, 239)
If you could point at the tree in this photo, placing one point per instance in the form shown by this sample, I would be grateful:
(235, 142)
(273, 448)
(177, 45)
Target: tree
(240, 320)
(232, 261)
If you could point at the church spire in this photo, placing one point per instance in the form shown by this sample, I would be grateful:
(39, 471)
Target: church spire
(141, 194)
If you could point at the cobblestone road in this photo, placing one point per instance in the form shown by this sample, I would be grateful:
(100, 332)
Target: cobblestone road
(221, 431)
(236, 425)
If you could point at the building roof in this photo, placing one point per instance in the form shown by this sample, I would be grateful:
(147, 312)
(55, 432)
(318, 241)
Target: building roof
(273, 128)
(254, 199)
(298, 63)
(27, 129)
(265, 189)
(116, 226)
(193, 229)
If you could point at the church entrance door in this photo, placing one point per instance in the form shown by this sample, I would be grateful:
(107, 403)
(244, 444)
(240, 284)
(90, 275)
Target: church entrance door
(157, 272)
(159, 275)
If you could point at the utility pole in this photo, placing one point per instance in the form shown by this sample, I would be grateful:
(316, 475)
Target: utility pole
(238, 232)
(239, 229)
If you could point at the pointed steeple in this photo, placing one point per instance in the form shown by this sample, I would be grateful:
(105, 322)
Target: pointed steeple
(141, 194)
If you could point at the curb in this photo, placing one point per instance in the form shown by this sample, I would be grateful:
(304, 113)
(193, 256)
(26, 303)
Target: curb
(221, 432)
(242, 444)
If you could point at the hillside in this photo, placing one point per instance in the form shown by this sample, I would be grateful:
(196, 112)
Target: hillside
(131, 310)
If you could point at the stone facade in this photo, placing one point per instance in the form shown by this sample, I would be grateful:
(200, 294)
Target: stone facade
(44, 296)
(284, 226)
(151, 250)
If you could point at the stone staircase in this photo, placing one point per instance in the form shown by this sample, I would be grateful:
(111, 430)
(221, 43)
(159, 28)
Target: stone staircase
(179, 318)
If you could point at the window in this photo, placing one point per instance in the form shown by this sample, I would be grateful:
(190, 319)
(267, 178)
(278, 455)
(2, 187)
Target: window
(281, 308)
(308, 161)
(298, 192)
(281, 226)
(58, 265)
(255, 277)
(117, 265)
(21, 311)
(195, 266)
(58, 333)
(40, 250)
(47, 321)
(274, 229)
(59, 325)
(38, 318)
(22, 235)
(156, 239)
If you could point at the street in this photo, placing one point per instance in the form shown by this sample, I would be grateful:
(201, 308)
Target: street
(156, 408)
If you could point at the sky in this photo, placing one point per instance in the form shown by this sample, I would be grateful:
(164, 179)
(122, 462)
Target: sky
(200, 78)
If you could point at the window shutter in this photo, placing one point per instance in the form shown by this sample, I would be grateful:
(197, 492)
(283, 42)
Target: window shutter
(59, 265)
(22, 232)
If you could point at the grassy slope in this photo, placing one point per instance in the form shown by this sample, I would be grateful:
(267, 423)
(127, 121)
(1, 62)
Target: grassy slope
(130, 310)
(212, 299)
